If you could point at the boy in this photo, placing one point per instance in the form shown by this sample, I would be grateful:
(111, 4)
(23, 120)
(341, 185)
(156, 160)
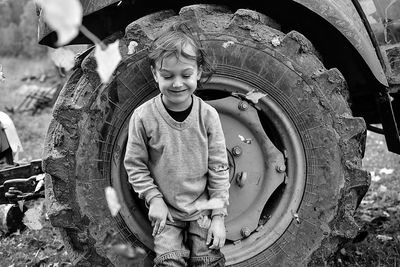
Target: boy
(176, 157)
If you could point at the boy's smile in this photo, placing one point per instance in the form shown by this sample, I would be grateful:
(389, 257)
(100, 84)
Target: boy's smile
(177, 79)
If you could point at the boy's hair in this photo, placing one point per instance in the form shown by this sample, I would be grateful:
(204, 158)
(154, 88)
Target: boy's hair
(172, 42)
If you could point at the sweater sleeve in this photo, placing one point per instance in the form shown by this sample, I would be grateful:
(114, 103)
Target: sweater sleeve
(218, 168)
(136, 160)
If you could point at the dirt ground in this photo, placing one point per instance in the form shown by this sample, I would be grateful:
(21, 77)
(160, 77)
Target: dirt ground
(378, 241)
(377, 244)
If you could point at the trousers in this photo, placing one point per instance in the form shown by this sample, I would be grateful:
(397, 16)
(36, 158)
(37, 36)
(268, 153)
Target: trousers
(183, 243)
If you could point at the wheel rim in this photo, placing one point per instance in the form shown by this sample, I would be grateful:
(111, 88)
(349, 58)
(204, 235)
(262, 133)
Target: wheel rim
(289, 201)
(285, 200)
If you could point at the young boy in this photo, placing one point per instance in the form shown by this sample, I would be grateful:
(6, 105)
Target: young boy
(176, 157)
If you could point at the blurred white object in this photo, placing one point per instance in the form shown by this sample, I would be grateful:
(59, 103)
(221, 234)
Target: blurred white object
(12, 135)
(65, 17)
(63, 58)
(386, 171)
(112, 200)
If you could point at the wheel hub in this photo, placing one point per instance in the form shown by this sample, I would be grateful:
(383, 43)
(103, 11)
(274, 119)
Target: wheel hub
(255, 160)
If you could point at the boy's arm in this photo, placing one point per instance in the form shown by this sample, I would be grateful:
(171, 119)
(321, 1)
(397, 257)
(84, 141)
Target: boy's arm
(218, 167)
(136, 160)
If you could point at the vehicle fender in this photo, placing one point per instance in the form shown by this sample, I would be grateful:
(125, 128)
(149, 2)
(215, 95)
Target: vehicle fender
(11, 133)
(343, 15)
(88, 7)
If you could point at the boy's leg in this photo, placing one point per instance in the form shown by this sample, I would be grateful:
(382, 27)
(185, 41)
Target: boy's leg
(169, 247)
(200, 254)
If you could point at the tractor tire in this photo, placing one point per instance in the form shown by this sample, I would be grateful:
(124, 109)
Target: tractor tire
(294, 148)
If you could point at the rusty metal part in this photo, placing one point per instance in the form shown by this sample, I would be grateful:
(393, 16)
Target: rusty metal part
(13, 189)
(26, 170)
(21, 184)
(391, 53)
(18, 189)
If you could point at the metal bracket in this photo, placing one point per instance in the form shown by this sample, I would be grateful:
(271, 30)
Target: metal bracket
(388, 120)
(14, 186)
(21, 171)
(18, 189)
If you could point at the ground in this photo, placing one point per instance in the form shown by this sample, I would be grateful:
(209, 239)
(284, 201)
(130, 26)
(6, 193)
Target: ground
(378, 241)
(29, 247)
(377, 244)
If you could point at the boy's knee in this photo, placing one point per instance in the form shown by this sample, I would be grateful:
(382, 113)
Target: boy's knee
(175, 258)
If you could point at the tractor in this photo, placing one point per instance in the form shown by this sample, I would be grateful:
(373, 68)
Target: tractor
(297, 83)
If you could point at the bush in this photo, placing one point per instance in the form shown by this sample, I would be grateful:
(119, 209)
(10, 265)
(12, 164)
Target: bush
(18, 29)
(29, 33)
(11, 40)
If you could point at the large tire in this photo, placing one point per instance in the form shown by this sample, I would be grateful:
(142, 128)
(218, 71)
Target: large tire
(301, 106)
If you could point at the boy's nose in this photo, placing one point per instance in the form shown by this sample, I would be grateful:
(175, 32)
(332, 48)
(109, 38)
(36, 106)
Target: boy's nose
(177, 83)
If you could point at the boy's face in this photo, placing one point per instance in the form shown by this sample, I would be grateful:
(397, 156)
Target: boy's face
(177, 79)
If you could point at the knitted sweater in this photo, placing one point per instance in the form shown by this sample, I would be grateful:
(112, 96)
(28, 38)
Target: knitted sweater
(183, 162)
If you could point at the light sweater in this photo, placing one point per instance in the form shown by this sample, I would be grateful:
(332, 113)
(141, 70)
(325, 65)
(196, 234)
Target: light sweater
(185, 163)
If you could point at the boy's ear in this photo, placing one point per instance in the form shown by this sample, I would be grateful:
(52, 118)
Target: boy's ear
(199, 72)
(153, 71)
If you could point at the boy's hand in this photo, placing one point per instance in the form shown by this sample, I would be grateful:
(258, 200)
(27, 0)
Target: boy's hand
(158, 214)
(216, 232)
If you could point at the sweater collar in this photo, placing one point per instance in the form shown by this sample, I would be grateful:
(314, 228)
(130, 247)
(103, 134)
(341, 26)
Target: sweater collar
(173, 123)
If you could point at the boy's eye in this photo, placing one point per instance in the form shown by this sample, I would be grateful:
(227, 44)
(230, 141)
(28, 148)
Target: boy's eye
(167, 77)
(187, 75)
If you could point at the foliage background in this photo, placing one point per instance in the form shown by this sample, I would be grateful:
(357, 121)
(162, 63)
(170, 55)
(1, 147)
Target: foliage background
(18, 29)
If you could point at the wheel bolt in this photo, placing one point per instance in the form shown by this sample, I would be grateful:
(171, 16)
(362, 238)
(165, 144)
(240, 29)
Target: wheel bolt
(281, 168)
(243, 105)
(245, 232)
(236, 151)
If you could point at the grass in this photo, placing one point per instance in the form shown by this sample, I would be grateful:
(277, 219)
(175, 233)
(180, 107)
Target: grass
(31, 247)
(378, 241)
(30, 128)
(34, 248)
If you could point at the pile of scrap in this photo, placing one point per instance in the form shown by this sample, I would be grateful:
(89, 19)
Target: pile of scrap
(37, 99)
